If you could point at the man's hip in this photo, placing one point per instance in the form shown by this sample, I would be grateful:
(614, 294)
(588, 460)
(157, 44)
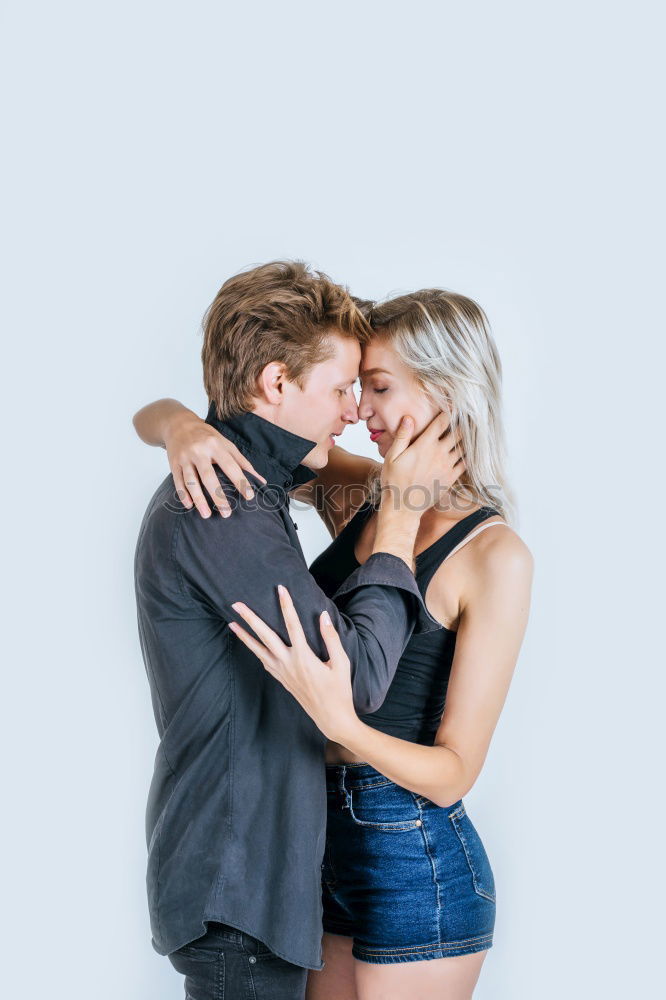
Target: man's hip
(228, 964)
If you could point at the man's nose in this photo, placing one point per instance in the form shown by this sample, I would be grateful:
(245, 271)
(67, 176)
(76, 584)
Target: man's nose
(350, 414)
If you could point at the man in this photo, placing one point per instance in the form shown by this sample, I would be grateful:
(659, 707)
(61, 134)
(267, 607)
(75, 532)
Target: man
(236, 812)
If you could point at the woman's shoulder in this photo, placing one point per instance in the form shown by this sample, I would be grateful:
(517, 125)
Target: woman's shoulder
(498, 563)
(496, 557)
(503, 546)
(498, 549)
(489, 578)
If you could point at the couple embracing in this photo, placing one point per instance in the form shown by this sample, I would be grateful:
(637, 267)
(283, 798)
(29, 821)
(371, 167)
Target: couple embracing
(319, 727)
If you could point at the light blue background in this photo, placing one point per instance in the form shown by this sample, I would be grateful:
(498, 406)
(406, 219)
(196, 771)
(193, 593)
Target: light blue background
(508, 151)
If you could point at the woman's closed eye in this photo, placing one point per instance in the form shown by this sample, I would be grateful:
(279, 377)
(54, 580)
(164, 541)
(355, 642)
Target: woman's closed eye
(374, 388)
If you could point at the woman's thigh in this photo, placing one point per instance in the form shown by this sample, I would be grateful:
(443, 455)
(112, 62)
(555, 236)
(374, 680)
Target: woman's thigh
(346, 978)
(336, 980)
(434, 979)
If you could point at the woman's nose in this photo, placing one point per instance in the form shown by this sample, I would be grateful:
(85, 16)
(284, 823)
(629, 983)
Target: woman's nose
(364, 410)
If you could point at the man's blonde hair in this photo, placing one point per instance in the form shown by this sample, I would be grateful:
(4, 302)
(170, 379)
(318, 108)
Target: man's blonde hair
(282, 311)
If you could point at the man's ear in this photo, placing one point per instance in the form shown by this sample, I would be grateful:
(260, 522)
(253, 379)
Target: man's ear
(270, 383)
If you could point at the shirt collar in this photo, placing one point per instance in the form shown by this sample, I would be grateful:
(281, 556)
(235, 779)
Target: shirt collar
(275, 452)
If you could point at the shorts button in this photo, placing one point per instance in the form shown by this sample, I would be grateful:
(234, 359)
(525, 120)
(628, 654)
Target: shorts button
(252, 960)
(418, 822)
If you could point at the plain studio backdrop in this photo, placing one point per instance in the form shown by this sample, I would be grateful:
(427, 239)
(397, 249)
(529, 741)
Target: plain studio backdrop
(507, 151)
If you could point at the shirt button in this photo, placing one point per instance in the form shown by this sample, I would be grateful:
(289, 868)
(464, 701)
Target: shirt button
(252, 960)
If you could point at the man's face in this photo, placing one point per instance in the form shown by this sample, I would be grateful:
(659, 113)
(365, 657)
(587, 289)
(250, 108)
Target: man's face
(323, 407)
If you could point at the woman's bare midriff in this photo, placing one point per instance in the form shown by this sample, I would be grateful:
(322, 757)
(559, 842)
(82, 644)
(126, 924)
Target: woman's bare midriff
(337, 754)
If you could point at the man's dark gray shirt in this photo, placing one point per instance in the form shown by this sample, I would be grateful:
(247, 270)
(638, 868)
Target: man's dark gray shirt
(236, 813)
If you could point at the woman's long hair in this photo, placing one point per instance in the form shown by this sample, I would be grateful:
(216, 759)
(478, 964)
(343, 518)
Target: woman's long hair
(444, 339)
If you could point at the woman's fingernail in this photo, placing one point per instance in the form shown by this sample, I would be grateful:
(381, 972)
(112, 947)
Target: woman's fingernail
(326, 618)
(281, 590)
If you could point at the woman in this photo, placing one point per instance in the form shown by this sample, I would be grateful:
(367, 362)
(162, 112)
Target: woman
(408, 891)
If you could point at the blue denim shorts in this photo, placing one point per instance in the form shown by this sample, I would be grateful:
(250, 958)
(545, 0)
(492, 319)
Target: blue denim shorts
(406, 879)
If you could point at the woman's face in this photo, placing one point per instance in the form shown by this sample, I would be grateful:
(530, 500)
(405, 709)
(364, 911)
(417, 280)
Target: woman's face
(388, 392)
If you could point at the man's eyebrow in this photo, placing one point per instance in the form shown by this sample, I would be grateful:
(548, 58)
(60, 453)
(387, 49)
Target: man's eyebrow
(372, 371)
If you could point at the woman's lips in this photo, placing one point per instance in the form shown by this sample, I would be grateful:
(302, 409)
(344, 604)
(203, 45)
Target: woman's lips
(375, 434)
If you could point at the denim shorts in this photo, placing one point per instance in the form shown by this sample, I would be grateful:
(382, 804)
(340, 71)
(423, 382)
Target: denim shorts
(406, 879)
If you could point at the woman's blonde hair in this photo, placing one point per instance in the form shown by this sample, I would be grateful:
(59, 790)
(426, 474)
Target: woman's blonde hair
(444, 340)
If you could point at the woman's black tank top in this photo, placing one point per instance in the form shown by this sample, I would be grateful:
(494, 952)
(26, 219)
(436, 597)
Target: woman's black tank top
(412, 709)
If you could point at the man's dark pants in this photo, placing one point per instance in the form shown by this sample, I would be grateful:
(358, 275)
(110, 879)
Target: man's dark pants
(226, 964)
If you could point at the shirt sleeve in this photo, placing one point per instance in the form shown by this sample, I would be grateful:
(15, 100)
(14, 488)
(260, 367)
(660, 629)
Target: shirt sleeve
(245, 556)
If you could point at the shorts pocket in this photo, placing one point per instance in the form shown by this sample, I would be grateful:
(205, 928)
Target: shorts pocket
(384, 806)
(475, 852)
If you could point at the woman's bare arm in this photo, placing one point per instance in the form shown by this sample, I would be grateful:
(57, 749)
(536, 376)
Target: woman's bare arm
(493, 620)
(152, 422)
(494, 610)
(193, 447)
(340, 487)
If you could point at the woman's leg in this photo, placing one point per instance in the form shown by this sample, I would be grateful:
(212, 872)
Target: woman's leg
(435, 979)
(336, 980)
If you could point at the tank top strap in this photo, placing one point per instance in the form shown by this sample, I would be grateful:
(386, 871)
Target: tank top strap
(429, 561)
